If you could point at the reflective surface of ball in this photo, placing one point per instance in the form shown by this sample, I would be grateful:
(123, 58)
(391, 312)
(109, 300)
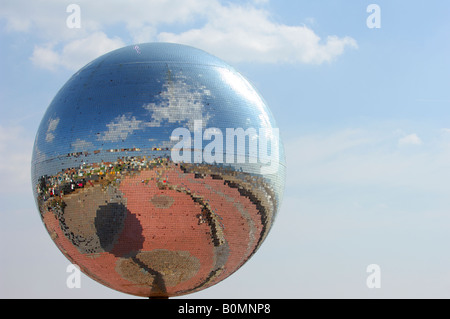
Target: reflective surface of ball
(157, 168)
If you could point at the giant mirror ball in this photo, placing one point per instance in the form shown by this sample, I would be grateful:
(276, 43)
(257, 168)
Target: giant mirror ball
(158, 170)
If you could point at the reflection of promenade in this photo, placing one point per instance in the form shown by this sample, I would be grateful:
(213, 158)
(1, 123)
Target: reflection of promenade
(86, 175)
(54, 188)
(155, 224)
(111, 150)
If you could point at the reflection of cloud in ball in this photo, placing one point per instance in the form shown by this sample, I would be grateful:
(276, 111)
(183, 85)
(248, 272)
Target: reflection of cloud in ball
(179, 103)
(52, 125)
(120, 128)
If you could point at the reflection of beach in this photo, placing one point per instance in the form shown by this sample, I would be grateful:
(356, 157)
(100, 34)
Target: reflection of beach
(95, 231)
(202, 221)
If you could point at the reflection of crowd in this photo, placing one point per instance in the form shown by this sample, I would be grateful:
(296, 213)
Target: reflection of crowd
(71, 179)
(50, 190)
(117, 150)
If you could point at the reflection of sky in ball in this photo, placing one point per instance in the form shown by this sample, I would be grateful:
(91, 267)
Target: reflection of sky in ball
(126, 104)
(162, 87)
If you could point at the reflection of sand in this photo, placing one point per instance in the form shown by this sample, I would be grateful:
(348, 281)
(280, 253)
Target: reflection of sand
(83, 224)
(253, 187)
(162, 201)
(173, 268)
(171, 229)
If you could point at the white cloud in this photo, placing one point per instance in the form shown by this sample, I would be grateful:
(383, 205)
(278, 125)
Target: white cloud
(79, 52)
(47, 18)
(411, 139)
(234, 32)
(76, 53)
(120, 128)
(243, 33)
(45, 58)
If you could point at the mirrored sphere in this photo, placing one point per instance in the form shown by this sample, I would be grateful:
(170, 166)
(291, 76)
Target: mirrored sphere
(158, 169)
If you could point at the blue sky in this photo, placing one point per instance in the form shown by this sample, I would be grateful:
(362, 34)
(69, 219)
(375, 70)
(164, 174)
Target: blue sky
(364, 115)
